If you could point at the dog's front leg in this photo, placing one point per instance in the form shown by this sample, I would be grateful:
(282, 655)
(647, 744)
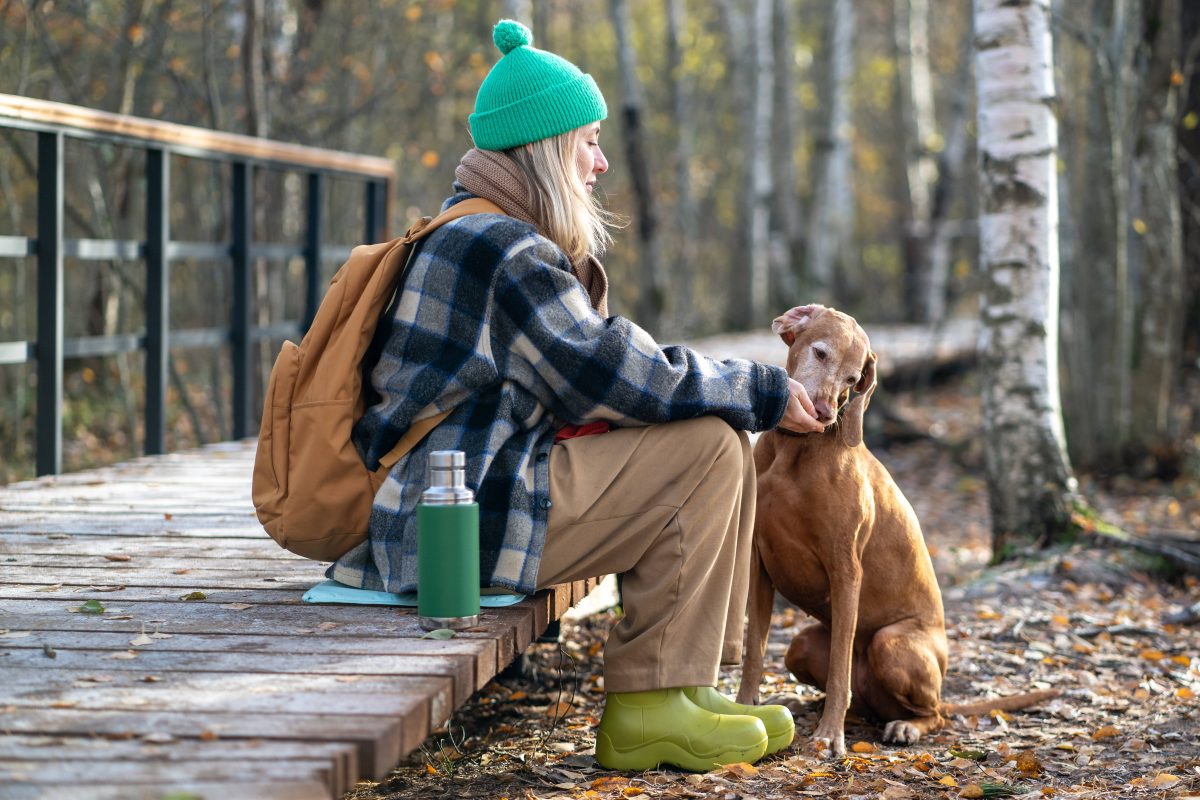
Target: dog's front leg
(845, 583)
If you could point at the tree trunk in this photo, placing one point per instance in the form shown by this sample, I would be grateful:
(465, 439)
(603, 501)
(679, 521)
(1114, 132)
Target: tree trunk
(757, 213)
(831, 219)
(1189, 173)
(947, 190)
(686, 222)
(1029, 478)
(920, 169)
(650, 298)
(1156, 251)
(786, 238)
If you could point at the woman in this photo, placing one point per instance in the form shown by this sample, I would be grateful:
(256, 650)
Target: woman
(503, 318)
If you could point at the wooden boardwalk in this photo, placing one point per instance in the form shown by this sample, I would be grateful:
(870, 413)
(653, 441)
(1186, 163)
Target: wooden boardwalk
(205, 674)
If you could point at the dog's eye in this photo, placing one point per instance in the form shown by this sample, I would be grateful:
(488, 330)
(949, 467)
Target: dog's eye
(851, 380)
(820, 354)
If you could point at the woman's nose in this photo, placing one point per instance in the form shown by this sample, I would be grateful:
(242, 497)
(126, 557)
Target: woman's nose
(601, 162)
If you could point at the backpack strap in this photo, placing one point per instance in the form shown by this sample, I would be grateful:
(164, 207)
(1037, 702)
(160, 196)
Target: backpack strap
(419, 230)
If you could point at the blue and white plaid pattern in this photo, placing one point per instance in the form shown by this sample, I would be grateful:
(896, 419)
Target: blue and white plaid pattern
(492, 324)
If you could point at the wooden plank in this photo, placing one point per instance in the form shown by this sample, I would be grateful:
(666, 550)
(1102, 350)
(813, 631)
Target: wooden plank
(26, 545)
(147, 772)
(239, 790)
(380, 741)
(341, 756)
(182, 692)
(458, 669)
(72, 594)
(479, 649)
(248, 563)
(298, 578)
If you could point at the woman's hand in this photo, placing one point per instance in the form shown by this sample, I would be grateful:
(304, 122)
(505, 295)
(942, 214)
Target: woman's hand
(799, 416)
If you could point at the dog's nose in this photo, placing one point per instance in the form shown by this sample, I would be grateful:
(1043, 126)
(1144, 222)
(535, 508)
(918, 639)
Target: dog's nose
(824, 411)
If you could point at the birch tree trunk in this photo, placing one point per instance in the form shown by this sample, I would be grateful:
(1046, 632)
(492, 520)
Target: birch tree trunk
(686, 223)
(650, 298)
(1029, 478)
(911, 19)
(831, 219)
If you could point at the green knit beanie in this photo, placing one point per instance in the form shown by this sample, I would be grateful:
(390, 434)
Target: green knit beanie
(531, 94)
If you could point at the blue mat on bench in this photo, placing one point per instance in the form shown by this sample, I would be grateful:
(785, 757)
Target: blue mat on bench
(333, 592)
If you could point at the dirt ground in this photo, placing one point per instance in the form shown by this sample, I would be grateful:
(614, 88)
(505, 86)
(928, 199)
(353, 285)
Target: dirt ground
(1092, 622)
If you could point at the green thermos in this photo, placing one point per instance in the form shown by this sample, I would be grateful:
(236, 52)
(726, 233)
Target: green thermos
(447, 546)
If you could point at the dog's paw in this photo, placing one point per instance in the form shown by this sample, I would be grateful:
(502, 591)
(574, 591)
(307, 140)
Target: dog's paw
(901, 731)
(830, 738)
(789, 700)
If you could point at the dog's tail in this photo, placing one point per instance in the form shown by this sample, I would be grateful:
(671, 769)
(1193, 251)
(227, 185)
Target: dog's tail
(1011, 703)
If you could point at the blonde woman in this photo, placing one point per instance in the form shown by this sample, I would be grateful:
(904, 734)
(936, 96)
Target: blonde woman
(503, 318)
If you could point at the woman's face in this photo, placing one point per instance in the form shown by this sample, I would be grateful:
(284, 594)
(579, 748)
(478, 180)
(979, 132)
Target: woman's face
(588, 158)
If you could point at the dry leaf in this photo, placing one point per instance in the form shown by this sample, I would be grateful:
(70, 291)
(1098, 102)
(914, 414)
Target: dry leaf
(236, 606)
(517, 695)
(632, 791)
(559, 710)
(430, 769)
(116, 557)
(1105, 732)
(150, 679)
(64, 704)
(1164, 779)
(1184, 693)
(1153, 655)
(54, 587)
(128, 655)
(208, 736)
(863, 747)
(608, 784)
(1028, 764)
(180, 571)
(948, 781)
(327, 626)
(741, 769)
(15, 634)
(141, 639)
(971, 790)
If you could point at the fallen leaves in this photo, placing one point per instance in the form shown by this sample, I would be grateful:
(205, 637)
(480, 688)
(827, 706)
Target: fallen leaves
(89, 607)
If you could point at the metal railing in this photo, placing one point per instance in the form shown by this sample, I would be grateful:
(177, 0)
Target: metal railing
(52, 123)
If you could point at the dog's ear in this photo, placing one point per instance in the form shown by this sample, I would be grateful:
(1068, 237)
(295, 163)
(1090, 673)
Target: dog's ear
(852, 420)
(792, 320)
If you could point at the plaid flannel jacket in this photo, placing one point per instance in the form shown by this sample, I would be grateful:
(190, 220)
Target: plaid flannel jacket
(492, 324)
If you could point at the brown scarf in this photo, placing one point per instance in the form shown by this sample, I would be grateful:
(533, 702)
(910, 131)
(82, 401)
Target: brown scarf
(494, 176)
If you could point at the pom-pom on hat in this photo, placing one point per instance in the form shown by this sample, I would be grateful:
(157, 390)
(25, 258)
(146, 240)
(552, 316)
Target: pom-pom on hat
(531, 94)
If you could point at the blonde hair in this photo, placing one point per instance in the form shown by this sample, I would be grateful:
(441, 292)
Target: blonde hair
(564, 211)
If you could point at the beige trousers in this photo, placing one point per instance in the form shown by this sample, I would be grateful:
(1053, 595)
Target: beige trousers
(672, 507)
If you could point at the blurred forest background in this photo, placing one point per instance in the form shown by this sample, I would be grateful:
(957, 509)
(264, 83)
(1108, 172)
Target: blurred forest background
(765, 153)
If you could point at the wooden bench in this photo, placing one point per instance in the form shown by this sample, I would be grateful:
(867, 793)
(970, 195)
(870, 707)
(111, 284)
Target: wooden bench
(205, 673)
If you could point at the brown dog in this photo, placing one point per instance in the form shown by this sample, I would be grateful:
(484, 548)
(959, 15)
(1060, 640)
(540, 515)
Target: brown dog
(835, 536)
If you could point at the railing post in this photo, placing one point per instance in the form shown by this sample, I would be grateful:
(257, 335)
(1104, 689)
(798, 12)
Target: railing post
(158, 297)
(49, 303)
(312, 250)
(243, 232)
(376, 211)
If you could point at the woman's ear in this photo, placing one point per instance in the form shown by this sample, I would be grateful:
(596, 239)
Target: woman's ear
(791, 321)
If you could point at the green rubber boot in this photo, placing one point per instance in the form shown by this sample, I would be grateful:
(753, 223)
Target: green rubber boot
(640, 730)
(781, 729)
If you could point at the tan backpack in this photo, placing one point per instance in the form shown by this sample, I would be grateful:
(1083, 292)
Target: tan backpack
(311, 490)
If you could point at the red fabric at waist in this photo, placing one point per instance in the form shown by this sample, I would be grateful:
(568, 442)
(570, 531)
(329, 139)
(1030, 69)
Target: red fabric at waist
(587, 429)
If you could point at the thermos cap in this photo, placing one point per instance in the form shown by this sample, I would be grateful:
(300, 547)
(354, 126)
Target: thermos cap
(447, 459)
(447, 479)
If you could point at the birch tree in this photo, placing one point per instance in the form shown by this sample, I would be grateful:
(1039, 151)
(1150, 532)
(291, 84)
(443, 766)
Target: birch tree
(1029, 477)
(786, 238)
(831, 220)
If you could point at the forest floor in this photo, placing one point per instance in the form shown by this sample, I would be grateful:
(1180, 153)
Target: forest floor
(1093, 622)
